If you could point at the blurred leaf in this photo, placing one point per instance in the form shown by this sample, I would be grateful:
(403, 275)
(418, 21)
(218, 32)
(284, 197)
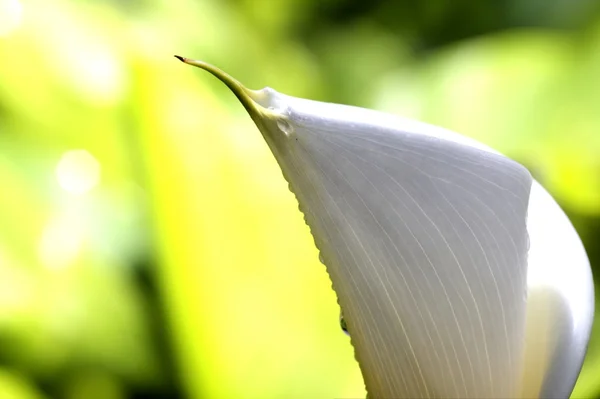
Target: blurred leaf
(13, 386)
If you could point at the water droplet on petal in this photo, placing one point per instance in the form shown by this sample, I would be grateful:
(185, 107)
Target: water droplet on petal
(343, 324)
(285, 127)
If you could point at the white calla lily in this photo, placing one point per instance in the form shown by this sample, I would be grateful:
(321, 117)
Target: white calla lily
(458, 274)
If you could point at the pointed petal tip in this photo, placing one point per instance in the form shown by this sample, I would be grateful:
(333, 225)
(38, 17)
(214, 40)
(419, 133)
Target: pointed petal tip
(246, 96)
(224, 77)
(201, 64)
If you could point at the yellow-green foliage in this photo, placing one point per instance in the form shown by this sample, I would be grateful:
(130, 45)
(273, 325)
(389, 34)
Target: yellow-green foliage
(176, 181)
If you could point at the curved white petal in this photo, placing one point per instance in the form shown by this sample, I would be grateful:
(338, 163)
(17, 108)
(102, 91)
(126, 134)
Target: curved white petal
(458, 274)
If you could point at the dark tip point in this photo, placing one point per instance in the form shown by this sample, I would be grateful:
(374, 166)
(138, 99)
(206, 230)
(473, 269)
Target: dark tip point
(180, 58)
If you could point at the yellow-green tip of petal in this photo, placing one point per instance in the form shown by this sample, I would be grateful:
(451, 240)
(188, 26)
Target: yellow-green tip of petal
(246, 96)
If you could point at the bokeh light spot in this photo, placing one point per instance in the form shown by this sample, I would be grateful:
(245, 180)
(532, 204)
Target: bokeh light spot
(11, 12)
(61, 243)
(78, 171)
(98, 76)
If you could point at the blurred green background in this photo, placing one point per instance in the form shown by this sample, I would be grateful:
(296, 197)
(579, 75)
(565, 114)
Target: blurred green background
(149, 246)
